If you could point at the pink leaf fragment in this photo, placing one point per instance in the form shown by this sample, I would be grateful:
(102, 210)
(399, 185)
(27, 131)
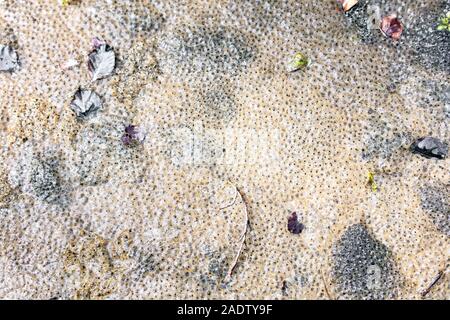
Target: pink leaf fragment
(391, 27)
(347, 4)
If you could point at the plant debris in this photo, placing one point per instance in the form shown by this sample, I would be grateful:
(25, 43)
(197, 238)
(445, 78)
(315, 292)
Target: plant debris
(391, 27)
(294, 226)
(325, 286)
(244, 232)
(430, 147)
(132, 136)
(284, 288)
(347, 4)
(69, 64)
(371, 181)
(102, 60)
(444, 23)
(66, 3)
(85, 103)
(9, 60)
(433, 283)
(299, 61)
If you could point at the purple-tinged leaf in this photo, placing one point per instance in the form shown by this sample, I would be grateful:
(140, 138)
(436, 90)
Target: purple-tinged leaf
(294, 226)
(132, 136)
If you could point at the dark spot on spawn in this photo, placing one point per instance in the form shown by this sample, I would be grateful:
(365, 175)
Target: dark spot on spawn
(430, 46)
(216, 271)
(363, 266)
(197, 51)
(44, 179)
(358, 18)
(94, 144)
(294, 226)
(435, 201)
(430, 147)
(384, 137)
(218, 105)
(141, 18)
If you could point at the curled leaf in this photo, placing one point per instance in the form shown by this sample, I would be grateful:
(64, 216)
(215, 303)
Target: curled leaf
(430, 147)
(102, 60)
(294, 226)
(391, 27)
(371, 181)
(9, 60)
(444, 23)
(299, 61)
(85, 103)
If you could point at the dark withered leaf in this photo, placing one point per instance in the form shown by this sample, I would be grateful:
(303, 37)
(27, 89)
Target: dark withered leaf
(85, 103)
(430, 147)
(9, 60)
(102, 60)
(294, 226)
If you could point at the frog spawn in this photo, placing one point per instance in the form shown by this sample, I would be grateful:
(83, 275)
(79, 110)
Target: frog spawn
(261, 102)
(364, 267)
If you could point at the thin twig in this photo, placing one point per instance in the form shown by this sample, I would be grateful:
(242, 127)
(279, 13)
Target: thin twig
(433, 283)
(325, 286)
(244, 233)
(234, 200)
